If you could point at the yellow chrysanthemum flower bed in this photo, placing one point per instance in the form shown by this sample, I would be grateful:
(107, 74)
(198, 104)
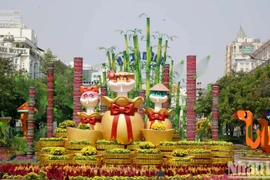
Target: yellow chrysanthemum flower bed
(148, 151)
(60, 130)
(146, 145)
(67, 123)
(103, 141)
(179, 152)
(84, 127)
(51, 139)
(79, 142)
(58, 151)
(199, 151)
(58, 157)
(46, 149)
(117, 151)
(158, 126)
(89, 151)
(85, 158)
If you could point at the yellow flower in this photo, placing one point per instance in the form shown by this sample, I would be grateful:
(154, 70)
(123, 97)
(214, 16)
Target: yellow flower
(89, 150)
(158, 126)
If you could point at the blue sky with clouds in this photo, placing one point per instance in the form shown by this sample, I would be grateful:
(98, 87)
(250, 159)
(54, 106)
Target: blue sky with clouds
(76, 28)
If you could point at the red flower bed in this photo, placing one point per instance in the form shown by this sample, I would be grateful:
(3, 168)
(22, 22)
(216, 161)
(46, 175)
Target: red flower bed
(64, 172)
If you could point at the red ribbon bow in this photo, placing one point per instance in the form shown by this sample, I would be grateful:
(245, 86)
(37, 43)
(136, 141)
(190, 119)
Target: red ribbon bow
(92, 88)
(90, 120)
(128, 111)
(156, 116)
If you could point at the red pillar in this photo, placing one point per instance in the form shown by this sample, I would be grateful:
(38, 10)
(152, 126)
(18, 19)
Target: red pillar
(103, 107)
(215, 93)
(191, 97)
(166, 80)
(77, 83)
(50, 87)
(31, 124)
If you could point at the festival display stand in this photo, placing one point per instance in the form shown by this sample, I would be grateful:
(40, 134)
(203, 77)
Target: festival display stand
(147, 154)
(117, 156)
(166, 147)
(87, 156)
(48, 142)
(103, 145)
(179, 157)
(73, 147)
(55, 155)
(222, 154)
(201, 156)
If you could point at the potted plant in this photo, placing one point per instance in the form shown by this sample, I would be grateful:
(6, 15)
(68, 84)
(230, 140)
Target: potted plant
(158, 133)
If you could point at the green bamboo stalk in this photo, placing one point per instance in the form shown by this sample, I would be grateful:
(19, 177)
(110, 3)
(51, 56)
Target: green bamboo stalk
(113, 94)
(113, 62)
(125, 60)
(137, 65)
(157, 77)
(148, 62)
(99, 79)
(170, 84)
(177, 106)
(164, 59)
(121, 67)
(127, 53)
(109, 60)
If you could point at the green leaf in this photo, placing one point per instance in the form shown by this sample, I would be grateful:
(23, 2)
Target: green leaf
(1, 123)
(209, 86)
(249, 131)
(208, 57)
(182, 62)
(195, 76)
(195, 107)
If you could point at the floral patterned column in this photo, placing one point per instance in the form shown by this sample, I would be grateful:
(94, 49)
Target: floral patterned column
(191, 97)
(31, 124)
(103, 107)
(166, 80)
(77, 83)
(215, 93)
(50, 87)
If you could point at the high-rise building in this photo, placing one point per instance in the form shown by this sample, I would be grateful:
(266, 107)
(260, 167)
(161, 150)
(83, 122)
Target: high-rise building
(19, 44)
(261, 56)
(237, 53)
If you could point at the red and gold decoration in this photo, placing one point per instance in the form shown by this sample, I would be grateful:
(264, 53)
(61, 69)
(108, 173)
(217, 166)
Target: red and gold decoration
(122, 123)
(24, 109)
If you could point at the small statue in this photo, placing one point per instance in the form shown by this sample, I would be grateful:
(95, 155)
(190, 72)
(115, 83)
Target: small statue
(122, 122)
(158, 95)
(90, 99)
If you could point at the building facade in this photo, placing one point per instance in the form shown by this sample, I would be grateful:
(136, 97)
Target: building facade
(261, 56)
(237, 53)
(19, 44)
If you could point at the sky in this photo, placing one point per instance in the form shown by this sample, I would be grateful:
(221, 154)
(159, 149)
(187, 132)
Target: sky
(203, 27)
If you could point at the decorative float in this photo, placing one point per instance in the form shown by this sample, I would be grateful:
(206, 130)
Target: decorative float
(122, 122)
(90, 127)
